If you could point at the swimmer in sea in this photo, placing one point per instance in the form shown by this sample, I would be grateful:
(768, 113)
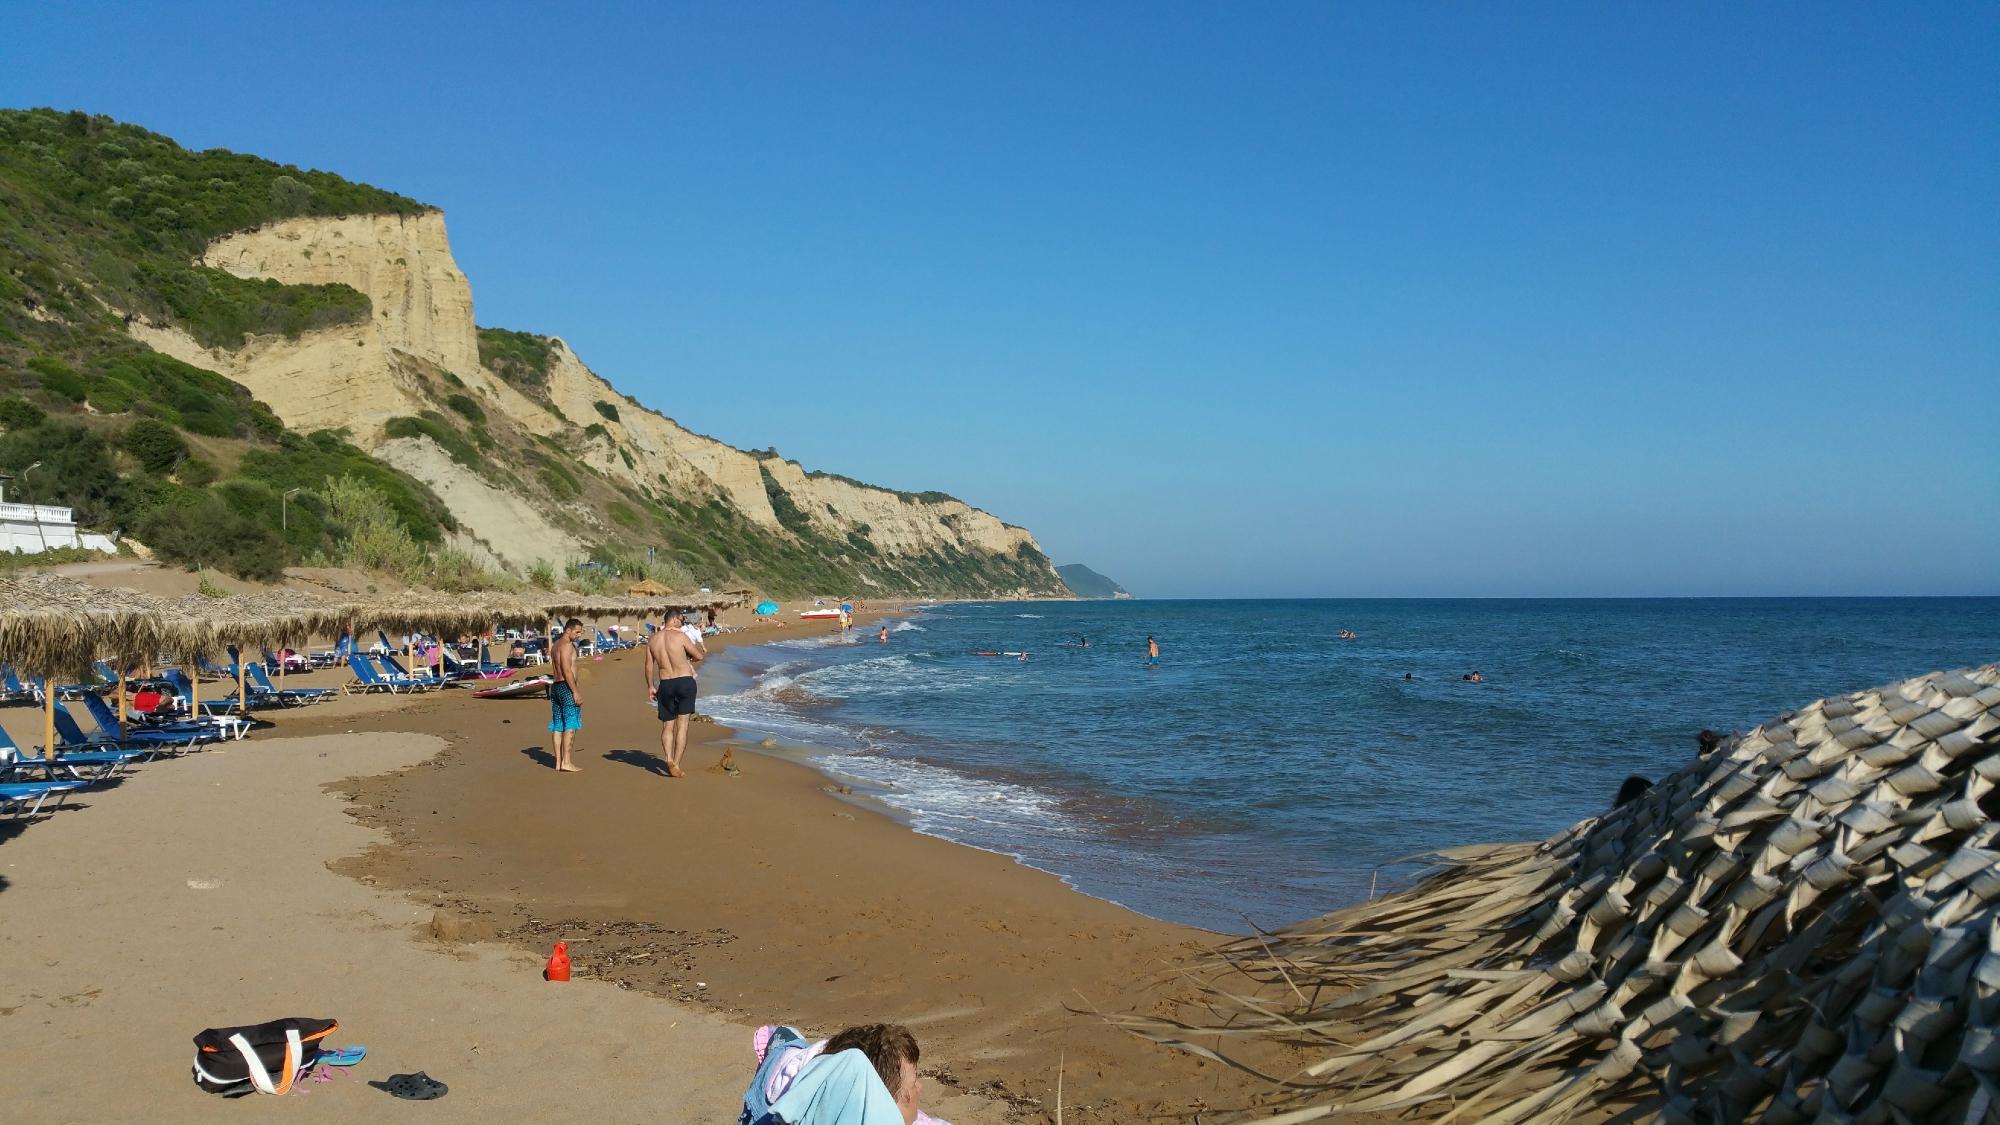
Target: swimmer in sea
(1152, 651)
(1473, 678)
(882, 634)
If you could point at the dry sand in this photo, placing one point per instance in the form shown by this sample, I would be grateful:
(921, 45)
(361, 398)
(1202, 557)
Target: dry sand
(732, 899)
(198, 894)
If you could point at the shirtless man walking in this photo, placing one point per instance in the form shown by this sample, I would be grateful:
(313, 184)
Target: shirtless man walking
(565, 702)
(670, 661)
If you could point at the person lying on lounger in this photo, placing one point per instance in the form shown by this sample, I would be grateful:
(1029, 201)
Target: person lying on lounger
(865, 1074)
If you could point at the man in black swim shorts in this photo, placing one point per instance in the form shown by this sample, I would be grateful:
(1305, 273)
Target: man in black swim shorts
(670, 661)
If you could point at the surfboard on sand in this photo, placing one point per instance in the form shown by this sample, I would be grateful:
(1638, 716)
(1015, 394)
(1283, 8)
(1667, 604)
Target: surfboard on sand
(533, 685)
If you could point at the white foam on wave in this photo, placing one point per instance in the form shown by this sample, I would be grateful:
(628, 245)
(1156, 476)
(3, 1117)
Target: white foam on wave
(908, 627)
(944, 802)
(894, 674)
(829, 640)
(1030, 616)
(761, 708)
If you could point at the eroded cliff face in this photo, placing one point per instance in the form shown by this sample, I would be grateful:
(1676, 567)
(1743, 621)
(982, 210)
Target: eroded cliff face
(421, 337)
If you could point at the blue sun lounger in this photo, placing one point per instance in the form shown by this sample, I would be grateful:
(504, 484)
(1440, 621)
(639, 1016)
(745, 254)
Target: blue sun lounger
(394, 671)
(368, 678)
(25, 800)
(260, 681)
(173, 737)
(12, 690)
(210, 716)
(76, 757)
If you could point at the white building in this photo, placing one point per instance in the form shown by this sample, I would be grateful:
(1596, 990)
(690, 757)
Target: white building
(34, 528)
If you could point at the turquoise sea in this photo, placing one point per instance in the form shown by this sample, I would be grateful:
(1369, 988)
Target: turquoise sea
(1267, 770)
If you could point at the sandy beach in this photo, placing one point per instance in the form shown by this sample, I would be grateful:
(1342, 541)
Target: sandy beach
(695, 909)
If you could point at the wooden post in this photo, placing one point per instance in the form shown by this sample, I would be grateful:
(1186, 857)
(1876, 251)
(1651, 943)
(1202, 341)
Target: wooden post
(121, 696)
(194, 686)
(48, 719)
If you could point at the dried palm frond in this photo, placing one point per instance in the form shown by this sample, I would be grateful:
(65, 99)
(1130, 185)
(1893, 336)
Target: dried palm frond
(1803, 925)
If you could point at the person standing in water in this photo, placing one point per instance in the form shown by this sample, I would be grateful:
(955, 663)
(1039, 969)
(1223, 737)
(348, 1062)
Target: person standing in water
(565, 701)
(882, 634)
(669, 670)
(1152, 651)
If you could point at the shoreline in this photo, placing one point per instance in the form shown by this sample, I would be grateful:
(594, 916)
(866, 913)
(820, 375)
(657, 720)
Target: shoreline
(993, 963)
(866, 794)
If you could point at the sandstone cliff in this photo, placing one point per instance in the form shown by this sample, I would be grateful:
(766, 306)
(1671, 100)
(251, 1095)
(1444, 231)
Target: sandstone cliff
(420, 349)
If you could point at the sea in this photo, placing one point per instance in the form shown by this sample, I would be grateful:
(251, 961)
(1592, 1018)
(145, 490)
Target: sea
(1268, 770)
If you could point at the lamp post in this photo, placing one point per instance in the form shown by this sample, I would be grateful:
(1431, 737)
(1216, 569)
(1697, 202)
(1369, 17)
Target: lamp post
(285, 509)
(34, 511)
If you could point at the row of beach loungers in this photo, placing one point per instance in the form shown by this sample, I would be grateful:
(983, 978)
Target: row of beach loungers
(33, 785)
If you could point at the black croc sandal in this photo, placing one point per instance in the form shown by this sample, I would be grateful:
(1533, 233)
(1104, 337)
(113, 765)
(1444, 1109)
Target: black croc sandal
(418, 1087)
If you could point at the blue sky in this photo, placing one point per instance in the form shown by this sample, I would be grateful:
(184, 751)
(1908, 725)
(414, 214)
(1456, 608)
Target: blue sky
(1318, 299)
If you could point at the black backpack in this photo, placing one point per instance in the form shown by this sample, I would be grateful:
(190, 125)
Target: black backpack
(262, 1058)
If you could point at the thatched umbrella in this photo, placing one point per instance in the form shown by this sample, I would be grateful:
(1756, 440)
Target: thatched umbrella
(1803, 925)
(258, 619)
(54, 627)
(423, 611)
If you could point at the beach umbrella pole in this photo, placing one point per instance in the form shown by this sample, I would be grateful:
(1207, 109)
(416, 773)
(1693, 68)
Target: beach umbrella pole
(242, 701)
(48, 719)
(121, 691)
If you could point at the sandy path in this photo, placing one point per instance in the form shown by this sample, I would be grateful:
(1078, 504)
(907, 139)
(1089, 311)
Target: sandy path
(115, 961)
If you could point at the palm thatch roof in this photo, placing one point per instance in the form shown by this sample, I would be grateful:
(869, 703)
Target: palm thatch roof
(647, 587)
(1804, 925)
(55, 626)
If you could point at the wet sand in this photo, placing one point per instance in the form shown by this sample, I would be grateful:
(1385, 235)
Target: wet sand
(766, 896)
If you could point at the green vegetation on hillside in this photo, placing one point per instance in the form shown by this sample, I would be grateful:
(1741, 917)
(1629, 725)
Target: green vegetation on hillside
(102, 224)
(100, 221)
(521, 358)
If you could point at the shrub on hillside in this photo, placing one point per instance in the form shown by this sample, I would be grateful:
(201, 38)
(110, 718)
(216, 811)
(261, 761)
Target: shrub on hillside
(17, 413)
(368, 532)
(608, 409)
(196, 473)
(308, 462)
(466, 408)
(542, 575)
(203, 530)
(58, 379)
(433, 426)
(155, 445)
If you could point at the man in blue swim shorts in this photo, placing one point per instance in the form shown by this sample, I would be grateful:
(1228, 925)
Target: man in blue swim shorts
(565, 702)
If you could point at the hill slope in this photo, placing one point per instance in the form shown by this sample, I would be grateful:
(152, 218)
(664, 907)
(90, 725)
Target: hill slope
(1087, 583)
(338, 317)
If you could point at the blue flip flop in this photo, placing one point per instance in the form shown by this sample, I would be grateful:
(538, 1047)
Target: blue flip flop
(343, 1056)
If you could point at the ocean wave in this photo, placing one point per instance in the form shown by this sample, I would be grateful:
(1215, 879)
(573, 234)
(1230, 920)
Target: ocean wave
(829, 640)
(1030, 616)
(907, 627)
(942, 801)
(880, 675)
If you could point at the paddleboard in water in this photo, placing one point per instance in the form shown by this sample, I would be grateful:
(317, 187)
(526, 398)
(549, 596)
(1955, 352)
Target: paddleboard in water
(533, 685)
(985, 653)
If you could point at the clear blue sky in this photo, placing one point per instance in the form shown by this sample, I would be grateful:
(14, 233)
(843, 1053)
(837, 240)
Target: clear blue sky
(1308, 299)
